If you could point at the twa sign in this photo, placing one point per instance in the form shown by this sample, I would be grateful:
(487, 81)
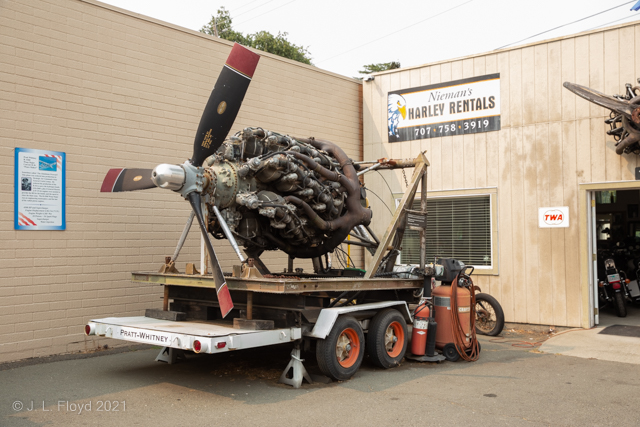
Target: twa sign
(553, 217)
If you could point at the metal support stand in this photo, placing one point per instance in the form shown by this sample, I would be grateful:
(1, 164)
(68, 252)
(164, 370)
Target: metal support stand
(170, 355)
(298, 370)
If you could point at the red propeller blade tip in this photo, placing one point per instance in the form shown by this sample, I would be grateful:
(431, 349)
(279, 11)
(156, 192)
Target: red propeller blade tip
(224, 299)
(243, 60)
(110, 180)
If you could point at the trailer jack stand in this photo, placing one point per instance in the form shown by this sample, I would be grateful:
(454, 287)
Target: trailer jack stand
(298, 370)
(170, 355)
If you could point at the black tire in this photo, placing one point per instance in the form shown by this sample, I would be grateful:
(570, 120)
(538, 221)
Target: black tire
(340, 354)
(619, 304)
(450, 352)
(489, 315)
(387, 338)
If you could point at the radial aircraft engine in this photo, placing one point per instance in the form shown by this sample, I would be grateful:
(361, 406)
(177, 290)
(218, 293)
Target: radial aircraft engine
(259, 189)
(624, 116)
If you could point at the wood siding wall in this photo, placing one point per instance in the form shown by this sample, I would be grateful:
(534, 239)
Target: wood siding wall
(550, 142)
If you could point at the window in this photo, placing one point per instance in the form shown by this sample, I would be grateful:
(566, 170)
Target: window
(457, 227)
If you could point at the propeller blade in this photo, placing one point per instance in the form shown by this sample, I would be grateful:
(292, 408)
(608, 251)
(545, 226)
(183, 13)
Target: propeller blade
(222, 290)
(600, 99)
(224, 102)
(118, 180)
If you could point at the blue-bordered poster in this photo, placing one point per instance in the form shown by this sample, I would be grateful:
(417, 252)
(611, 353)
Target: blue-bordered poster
(39, 190)
(458, 107)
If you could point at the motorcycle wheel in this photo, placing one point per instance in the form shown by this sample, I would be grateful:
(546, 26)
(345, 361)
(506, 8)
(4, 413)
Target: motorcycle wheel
(619, 304)
(489, 315)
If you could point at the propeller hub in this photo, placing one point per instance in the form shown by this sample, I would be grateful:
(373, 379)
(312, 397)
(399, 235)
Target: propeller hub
(171, 177)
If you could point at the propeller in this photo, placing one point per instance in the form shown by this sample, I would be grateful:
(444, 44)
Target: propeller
(601, 99)
(118, 180)
(188, 179)
(224, 103)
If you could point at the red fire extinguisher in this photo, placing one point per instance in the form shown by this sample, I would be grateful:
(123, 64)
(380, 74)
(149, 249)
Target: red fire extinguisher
(420, 327)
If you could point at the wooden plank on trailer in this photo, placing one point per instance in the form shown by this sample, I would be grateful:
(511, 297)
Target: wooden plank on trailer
(176, 316)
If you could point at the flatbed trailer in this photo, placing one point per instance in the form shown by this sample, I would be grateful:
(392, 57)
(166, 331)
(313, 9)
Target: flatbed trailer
(289, 309)
(331, 312)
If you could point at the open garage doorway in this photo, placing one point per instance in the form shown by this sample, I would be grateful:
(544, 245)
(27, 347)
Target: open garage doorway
(615, 241)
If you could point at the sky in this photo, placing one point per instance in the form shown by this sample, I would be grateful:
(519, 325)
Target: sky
(344, 35)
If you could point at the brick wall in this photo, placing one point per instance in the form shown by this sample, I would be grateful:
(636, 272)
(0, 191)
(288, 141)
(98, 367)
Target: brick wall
(111, 88)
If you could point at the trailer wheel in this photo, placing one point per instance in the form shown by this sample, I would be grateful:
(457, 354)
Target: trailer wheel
(340, 354)
(387, 338)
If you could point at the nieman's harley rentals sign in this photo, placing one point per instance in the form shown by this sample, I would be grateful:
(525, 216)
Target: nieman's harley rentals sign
(454, 108)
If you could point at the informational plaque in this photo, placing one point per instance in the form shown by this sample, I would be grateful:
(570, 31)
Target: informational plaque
(39, 190)
(416, 221)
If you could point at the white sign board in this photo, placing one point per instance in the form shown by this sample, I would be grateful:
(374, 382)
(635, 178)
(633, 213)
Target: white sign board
(39, 202)
(457, 107)
(554, 217)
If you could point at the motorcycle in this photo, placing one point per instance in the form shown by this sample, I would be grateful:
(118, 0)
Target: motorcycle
(489, 315)
(612, 285)
(631, 263)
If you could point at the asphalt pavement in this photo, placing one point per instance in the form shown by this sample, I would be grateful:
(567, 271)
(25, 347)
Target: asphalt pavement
(512, 384)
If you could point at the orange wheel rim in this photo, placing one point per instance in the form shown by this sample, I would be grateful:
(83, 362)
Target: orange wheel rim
(348, 348)
(394, 339)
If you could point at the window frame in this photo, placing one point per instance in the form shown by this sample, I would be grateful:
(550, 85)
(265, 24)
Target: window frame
(492, 193)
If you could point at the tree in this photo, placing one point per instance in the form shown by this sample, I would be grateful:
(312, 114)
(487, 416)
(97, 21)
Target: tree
(261, 40)
(383, 66)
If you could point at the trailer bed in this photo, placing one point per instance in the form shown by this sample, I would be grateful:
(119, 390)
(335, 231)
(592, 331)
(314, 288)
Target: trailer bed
(288, 285)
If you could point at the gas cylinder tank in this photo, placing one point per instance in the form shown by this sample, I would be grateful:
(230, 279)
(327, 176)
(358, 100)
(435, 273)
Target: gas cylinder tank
(420, 328)
(443, 314)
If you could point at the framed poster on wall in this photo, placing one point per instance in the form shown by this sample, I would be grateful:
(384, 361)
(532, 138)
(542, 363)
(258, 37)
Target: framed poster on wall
(39, 190)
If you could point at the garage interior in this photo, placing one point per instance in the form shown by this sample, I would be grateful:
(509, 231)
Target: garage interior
(617, 230)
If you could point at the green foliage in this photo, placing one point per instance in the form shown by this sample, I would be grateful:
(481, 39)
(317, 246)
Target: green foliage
(383, 66)
(279, 45)
(261, 40)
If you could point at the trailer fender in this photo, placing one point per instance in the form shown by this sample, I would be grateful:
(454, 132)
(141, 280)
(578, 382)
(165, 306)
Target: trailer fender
(328, 316)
